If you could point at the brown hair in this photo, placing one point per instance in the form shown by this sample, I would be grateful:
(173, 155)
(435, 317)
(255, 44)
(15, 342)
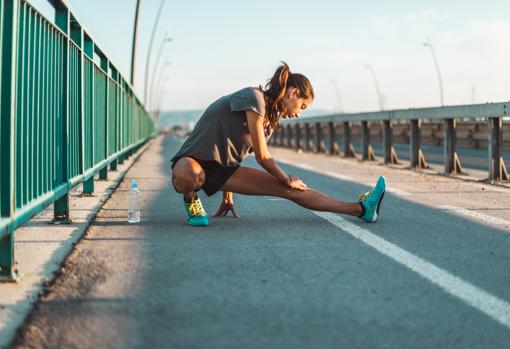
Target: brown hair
(276, 89)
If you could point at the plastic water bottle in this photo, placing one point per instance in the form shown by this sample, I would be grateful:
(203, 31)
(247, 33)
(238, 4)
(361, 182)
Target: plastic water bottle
(134, 203)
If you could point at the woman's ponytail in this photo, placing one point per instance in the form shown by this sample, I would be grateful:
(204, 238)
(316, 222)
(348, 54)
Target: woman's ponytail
(276, 89)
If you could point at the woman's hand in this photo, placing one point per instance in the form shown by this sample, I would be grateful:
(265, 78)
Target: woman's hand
(296, 183)
(227, 204)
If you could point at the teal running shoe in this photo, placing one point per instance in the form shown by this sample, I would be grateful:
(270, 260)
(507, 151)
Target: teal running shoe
(196, 213)
(371, 201)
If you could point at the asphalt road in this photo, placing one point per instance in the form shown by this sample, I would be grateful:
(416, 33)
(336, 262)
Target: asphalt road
(278, 277)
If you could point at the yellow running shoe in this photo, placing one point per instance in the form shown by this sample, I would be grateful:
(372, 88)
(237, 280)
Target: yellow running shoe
(196, 213)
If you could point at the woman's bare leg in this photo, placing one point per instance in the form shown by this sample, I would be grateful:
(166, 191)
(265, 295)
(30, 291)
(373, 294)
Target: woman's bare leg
(251, 181)
(188, 175)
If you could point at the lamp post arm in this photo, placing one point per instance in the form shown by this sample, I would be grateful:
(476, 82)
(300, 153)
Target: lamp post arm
(438, 71)
(147, 63)
(376, 83)
(133, 47)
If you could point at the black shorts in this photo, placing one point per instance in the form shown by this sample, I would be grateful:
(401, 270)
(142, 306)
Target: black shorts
(215, 175)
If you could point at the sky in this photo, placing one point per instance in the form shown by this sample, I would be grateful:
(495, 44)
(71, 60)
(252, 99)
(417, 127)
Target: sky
(221, 46)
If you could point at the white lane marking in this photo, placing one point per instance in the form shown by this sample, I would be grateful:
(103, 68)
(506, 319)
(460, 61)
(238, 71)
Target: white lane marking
(313, 169)
(492, 306)
(395, 191)
(475, 215)
(398, 192)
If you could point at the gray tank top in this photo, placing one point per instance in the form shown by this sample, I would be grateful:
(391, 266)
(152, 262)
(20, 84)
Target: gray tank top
(221, 134)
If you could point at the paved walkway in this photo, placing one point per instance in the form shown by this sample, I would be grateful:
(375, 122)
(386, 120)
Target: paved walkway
(284, 277)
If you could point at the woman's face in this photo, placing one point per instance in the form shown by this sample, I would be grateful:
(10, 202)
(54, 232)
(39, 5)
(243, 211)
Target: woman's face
(294, 104)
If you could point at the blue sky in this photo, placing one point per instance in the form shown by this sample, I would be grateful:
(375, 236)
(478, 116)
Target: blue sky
(221, 46)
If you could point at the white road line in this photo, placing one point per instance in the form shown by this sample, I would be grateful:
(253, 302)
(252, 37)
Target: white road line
(475, 215)
(398, 192)
(492, 306)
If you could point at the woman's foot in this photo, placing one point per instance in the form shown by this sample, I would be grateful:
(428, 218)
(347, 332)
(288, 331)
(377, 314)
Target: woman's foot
(196, 213)
(371, 201)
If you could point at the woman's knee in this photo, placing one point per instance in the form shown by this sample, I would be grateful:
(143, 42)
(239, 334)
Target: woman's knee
(187, 175)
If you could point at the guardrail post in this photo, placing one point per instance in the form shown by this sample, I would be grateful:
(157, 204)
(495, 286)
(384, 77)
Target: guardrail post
(61, 205)
(276, 139)
(289, 136)
(390, 155)
(451, 159)
(349, 151)
(497, 169)
(308, 138)
(8, 42)
(416, 154)
(368, 152)
(297, 138)
(333, 145)
(321, 147)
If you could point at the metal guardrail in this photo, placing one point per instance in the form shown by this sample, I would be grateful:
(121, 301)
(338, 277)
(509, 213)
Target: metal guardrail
(66, 115)
(297, 134)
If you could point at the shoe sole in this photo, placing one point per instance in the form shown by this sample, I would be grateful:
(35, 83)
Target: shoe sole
(199, 224)
(379, 203)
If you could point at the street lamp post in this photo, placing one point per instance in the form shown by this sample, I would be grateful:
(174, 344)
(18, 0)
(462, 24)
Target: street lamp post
(376, 83)
(156, 86)
(337, 93)
(133, 48)
(149, 51)
(428, 44)
(166, 39)
(157, 96)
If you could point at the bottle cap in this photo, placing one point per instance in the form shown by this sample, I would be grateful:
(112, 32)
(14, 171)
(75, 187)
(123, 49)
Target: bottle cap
(134, 184)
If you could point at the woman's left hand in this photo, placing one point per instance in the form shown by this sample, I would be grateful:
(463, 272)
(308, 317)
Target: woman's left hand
(296, 183)
(227, 204)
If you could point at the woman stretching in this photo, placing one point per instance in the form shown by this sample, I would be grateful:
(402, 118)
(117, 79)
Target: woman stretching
(242, 122)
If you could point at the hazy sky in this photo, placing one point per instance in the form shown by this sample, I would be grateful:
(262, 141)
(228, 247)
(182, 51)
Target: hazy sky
(220, 46)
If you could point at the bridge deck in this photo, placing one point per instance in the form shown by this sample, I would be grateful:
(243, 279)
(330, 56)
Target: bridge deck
(432, 272)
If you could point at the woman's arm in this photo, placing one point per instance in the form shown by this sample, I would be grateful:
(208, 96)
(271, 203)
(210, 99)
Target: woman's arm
(262, 155)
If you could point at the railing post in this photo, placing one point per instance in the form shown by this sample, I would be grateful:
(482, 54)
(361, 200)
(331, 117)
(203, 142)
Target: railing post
(333, 145)
(390, 155)
(368, 152)
(321, 147)
(416, 154)
(103, 173)
(61, 205)
(451, 159)
(9, 40)
(88, 50)
(349, 151)
(497, 169)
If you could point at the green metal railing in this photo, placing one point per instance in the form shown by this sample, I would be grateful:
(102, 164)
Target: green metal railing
(66, 115)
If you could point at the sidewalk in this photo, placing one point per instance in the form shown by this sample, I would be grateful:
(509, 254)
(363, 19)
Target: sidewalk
(40, 249)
